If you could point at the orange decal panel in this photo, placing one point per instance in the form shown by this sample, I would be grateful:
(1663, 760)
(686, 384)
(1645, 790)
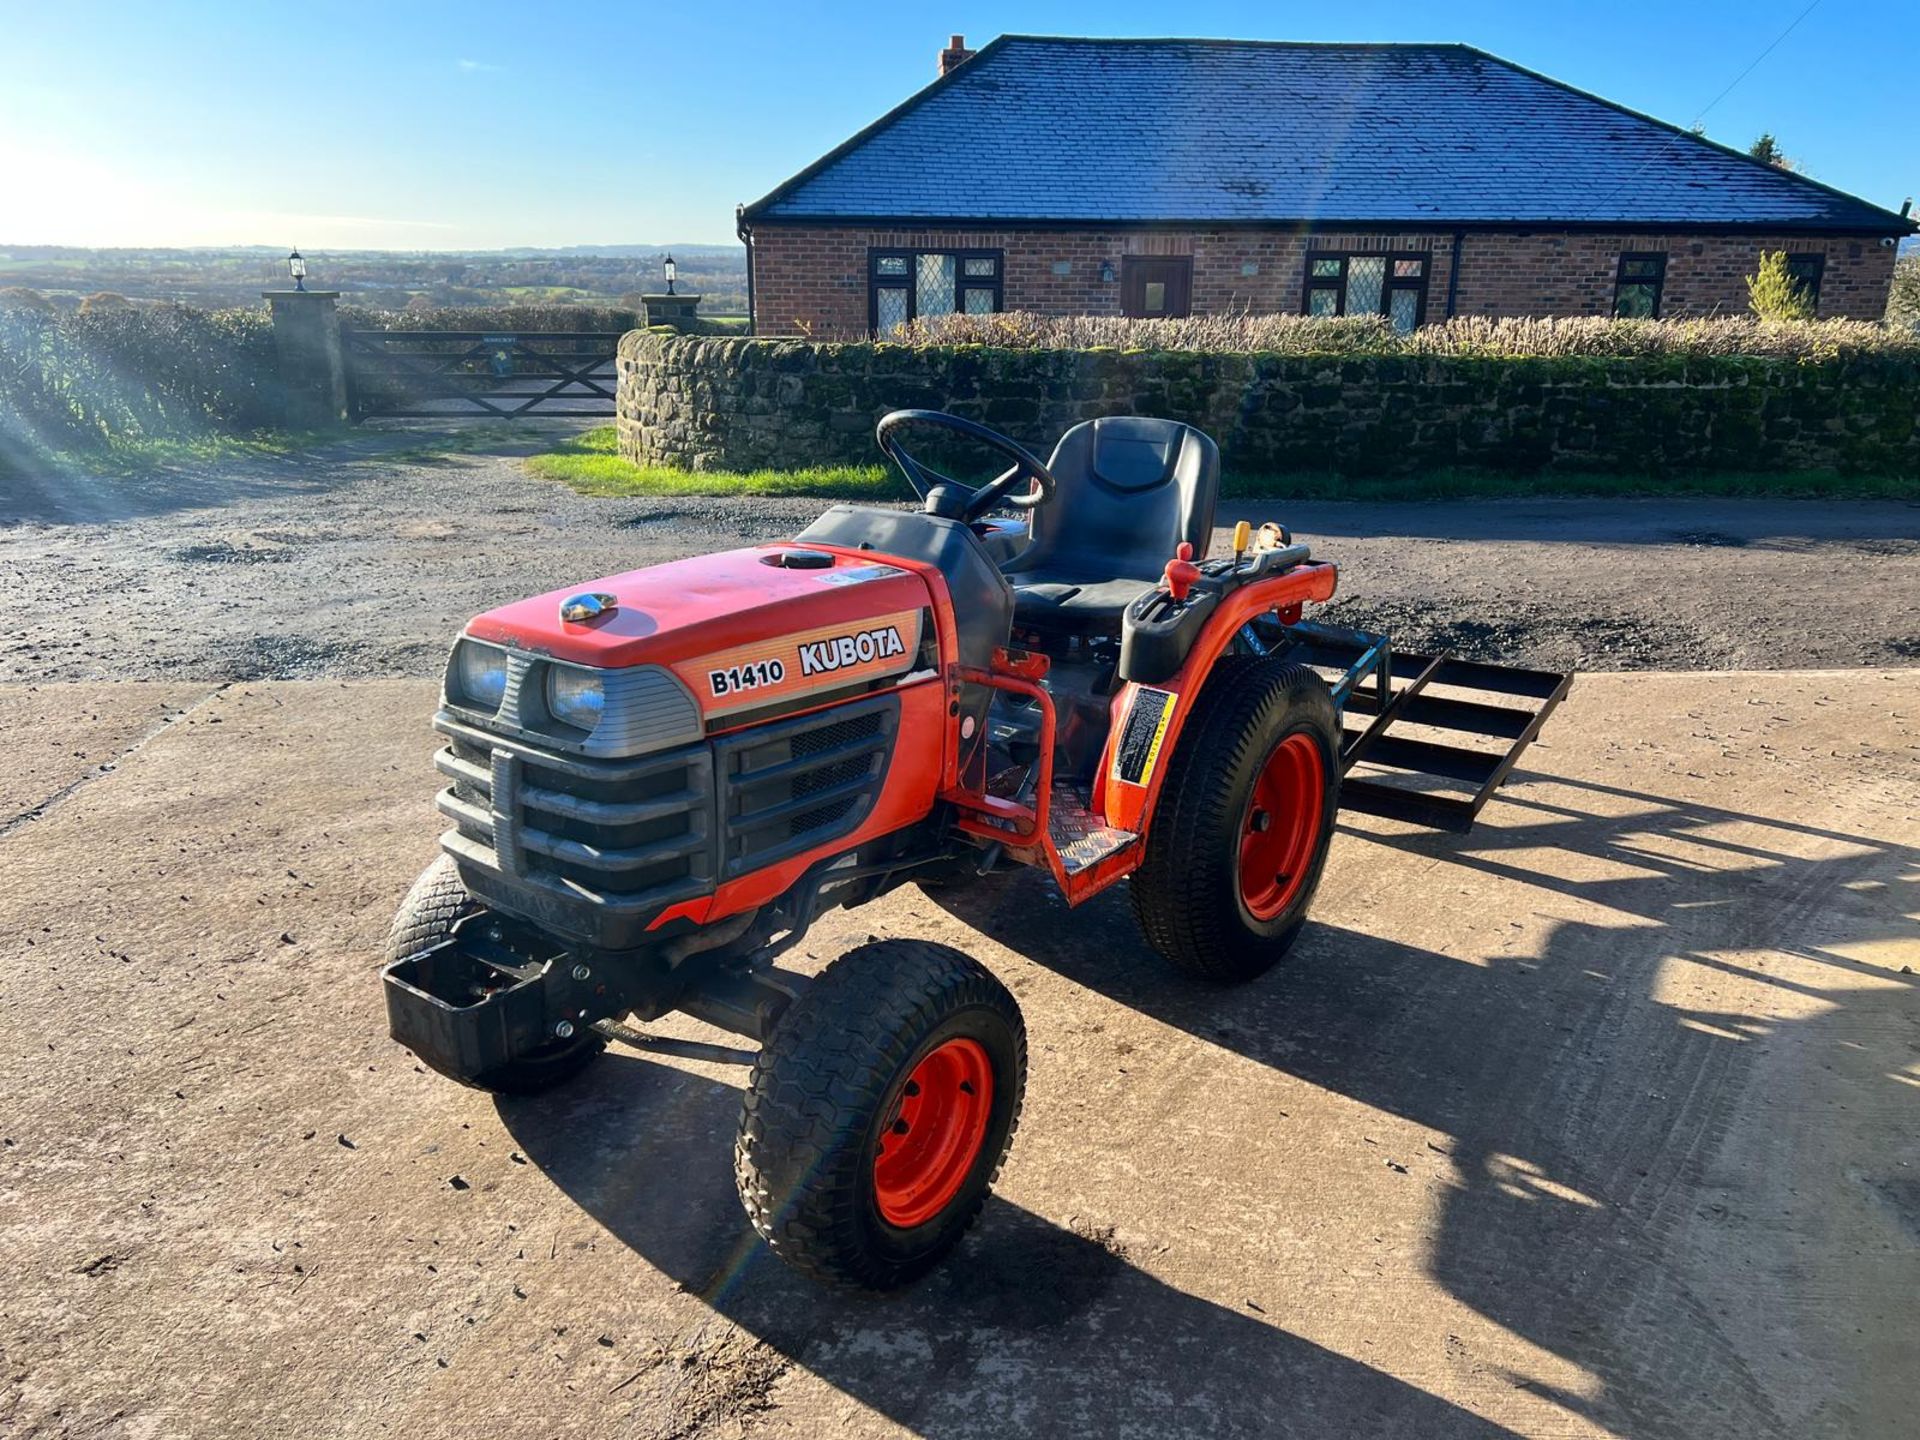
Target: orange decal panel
(791, 666)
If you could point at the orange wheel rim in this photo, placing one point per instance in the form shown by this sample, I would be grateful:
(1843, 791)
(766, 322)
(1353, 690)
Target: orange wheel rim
(933, 1134)
(1281, 826)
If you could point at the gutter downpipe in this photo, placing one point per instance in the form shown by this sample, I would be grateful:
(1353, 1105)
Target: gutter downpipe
(744, 232)
(1453, 274)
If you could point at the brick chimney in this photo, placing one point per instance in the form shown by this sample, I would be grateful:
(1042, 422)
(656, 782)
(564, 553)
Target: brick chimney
(955, 55)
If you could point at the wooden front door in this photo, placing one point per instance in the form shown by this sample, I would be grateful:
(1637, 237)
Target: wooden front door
(1156, 287)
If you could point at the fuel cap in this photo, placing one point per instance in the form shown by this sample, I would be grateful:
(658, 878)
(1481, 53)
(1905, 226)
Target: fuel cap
(798, 559)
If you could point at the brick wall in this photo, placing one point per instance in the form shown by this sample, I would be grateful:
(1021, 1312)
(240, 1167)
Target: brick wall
(1573, 274)
(813, 280)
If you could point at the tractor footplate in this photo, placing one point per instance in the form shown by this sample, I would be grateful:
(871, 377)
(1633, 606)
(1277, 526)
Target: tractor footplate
(1082, 838)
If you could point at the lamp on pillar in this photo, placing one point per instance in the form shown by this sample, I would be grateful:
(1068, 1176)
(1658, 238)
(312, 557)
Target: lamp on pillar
(670, 307)
(297, 268)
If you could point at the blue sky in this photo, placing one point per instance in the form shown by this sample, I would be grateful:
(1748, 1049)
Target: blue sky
(431, 125)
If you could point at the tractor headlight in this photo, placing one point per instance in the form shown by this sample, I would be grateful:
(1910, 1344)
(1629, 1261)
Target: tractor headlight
(576, 696)
(481, 673)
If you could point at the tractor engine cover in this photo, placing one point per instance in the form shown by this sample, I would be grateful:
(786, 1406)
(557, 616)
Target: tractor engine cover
(749, 632)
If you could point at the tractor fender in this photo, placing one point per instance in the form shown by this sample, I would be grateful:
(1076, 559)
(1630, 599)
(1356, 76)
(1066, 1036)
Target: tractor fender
(1147, 719)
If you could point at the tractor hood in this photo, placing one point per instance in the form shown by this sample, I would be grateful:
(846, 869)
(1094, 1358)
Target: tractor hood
(741, 627)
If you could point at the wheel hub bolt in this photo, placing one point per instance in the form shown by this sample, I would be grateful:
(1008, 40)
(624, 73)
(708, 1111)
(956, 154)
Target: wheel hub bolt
(564, 1029)
(581, 972)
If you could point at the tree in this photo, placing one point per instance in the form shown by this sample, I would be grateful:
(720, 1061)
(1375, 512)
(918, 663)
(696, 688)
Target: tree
(1772, 292)
(1767, 150)
(102, 300)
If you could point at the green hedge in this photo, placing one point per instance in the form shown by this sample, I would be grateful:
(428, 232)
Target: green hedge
(83, 381)
(502, 318)
(1372, 335)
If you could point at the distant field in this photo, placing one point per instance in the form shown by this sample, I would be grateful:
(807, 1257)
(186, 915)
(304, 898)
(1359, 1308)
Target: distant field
(216, 279)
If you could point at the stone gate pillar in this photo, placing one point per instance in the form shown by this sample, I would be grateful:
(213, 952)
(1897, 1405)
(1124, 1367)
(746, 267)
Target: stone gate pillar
(313, 367)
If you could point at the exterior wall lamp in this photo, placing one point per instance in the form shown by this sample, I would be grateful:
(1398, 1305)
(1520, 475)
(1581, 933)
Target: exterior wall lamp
(297, 268)
(1106, 272)
(671, 269)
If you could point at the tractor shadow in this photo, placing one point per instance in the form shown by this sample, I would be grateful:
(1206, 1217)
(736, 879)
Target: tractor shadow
(1576, 1103)
(1030, 1329)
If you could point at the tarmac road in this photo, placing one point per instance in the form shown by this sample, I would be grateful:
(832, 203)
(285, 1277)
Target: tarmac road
(1599, 1121)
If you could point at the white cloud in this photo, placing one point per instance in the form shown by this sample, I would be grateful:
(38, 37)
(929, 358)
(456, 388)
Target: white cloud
(476, 66)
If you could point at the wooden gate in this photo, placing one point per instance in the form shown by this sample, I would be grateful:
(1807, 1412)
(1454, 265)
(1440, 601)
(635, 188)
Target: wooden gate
(439, 373)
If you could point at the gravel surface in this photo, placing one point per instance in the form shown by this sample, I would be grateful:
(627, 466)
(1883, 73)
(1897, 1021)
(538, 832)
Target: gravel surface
(365, 558)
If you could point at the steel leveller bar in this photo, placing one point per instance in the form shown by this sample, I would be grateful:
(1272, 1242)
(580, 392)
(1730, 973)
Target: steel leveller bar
(1469, 776)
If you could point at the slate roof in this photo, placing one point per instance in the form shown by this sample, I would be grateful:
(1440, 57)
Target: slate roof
(1236, 132)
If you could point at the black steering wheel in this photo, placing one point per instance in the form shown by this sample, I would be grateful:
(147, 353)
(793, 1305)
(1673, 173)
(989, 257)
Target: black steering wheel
(946, 496)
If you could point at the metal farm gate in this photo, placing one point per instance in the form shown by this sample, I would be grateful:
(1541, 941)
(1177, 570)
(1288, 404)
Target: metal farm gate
(431, 374)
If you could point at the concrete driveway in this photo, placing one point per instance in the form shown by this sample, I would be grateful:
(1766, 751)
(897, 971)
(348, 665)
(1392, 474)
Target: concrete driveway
(1600, 1120)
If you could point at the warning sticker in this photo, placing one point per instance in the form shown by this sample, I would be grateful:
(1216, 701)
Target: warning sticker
(855, 574)
(1141, 737)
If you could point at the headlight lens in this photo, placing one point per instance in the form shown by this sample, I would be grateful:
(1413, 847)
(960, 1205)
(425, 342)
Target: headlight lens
(575, 696)
(482, 673)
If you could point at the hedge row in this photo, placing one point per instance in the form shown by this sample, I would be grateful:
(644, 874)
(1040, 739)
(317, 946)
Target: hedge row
(1372, 335)
(702, 403)
(505, 319)
(73, 381)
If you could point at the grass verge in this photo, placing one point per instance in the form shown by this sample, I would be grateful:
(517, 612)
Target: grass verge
(589, 462)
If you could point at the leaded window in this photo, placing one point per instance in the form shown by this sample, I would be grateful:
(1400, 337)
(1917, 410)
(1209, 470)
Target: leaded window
(903, 285)
(1393, 285)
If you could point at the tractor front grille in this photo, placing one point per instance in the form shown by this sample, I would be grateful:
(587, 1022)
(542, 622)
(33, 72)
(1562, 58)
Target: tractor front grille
(793, 784)
(631, 832)
(561, 838)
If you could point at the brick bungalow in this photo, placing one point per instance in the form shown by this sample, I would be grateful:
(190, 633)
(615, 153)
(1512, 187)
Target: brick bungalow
(1169, 177)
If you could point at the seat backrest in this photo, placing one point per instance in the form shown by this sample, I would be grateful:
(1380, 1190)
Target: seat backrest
(1131, 488)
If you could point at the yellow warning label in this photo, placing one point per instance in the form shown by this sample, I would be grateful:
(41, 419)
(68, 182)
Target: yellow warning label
(1143, 735)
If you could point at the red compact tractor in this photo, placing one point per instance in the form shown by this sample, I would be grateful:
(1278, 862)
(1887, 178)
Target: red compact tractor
(658, 782)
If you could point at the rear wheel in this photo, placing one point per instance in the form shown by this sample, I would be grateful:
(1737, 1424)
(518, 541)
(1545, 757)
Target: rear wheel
(879, 1111)
(427, 916)
(1239, 838)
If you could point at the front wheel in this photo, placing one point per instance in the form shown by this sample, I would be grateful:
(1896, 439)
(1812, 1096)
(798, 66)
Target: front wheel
(1239, 838)
(879, 1111)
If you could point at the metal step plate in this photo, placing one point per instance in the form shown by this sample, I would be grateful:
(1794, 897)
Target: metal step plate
(1082, 838)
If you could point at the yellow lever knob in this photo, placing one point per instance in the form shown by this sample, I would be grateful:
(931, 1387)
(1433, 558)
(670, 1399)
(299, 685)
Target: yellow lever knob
(1242, 533)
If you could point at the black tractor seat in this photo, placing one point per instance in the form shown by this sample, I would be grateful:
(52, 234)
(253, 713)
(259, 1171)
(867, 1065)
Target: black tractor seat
(1130, 489)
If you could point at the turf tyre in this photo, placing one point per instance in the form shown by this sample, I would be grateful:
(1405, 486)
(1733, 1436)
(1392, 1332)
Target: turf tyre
(1187, 894)
(427, 916)
(824, 1093)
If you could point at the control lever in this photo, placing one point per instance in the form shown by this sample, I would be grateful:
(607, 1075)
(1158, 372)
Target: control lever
(1181, 572)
